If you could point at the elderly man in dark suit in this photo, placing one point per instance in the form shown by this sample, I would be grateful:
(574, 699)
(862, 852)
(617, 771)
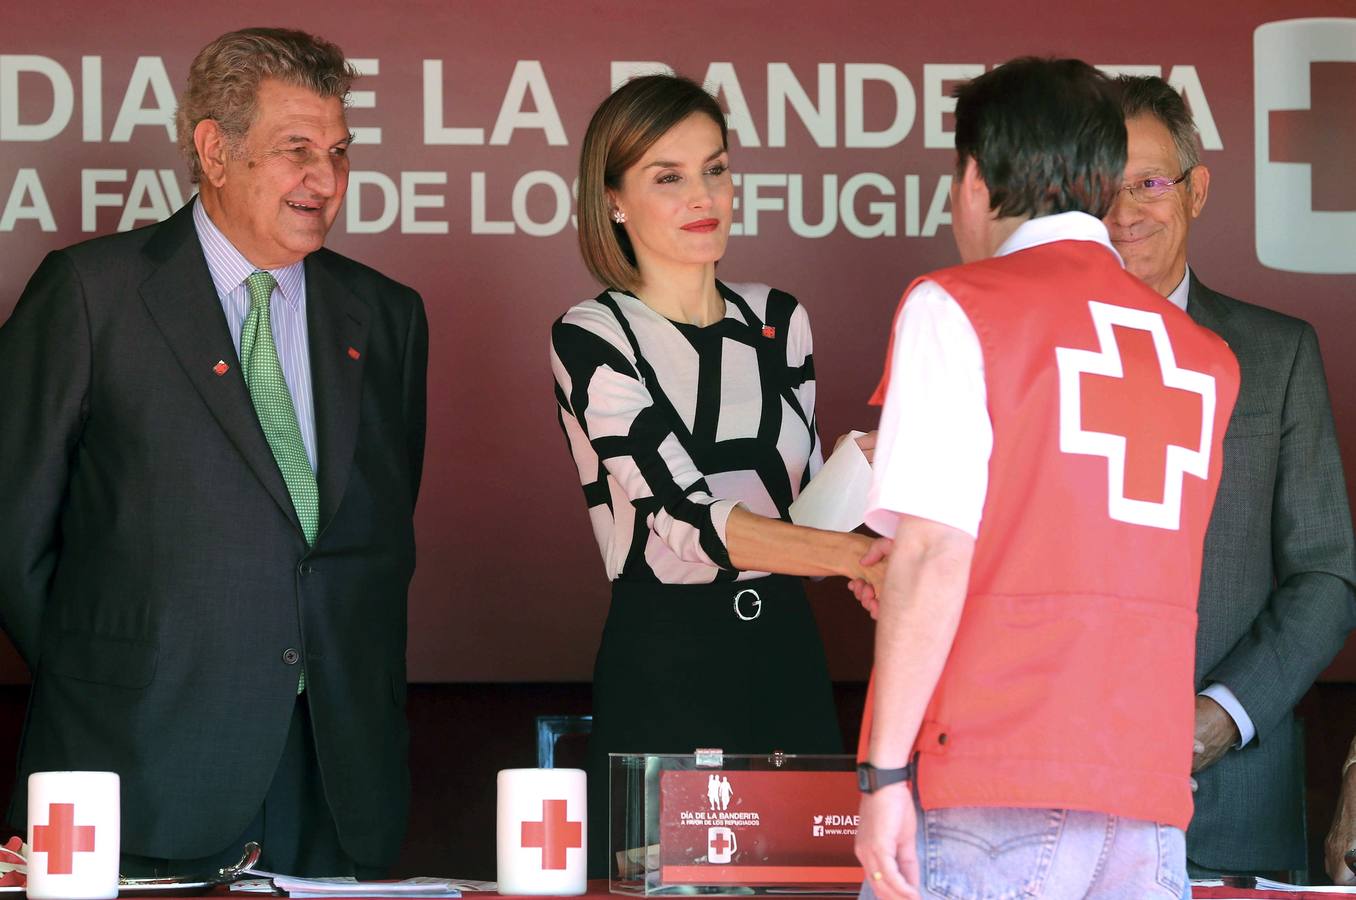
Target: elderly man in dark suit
(210, 448)
(1277, 596)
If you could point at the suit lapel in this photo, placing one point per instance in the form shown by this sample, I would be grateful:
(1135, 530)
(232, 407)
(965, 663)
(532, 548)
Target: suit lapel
(337, 324)
(1208, 310)
(1204, 307)
(183, 303)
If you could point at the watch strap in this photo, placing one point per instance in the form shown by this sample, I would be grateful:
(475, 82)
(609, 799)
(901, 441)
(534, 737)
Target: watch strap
(871, 779)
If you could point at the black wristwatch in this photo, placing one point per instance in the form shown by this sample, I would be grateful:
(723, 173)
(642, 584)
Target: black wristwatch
(870, 779)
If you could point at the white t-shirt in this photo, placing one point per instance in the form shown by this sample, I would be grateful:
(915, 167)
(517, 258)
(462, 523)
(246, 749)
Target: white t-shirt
(935, 439)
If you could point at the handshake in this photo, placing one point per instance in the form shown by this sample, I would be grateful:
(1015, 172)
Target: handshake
(868, 586)
(867, 558)
(819, 549)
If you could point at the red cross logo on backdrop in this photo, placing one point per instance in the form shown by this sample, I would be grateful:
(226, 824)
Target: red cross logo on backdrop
(1129, 402)
(554, 834)
(1323, 136)
(720, 843)
(61, 838)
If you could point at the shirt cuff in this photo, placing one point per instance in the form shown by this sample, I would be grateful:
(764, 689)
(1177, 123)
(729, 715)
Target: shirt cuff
(719, 550)
(1225, 698)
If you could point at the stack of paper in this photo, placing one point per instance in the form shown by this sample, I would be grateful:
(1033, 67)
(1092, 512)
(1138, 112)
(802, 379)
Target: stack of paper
(351, 887)
(1248, 882)
(1266, 884)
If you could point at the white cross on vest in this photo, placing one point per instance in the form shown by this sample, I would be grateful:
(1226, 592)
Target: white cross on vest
(1130, 403)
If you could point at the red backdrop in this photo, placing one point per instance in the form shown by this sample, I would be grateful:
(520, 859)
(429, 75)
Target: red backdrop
(464, 194)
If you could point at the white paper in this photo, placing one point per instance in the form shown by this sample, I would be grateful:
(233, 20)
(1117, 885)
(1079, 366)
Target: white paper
(1266, 884)
(835, 499)
(253, 886)
(466, 885)
(342, 887)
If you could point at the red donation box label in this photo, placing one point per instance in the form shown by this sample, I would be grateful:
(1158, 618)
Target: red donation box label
(779, 827)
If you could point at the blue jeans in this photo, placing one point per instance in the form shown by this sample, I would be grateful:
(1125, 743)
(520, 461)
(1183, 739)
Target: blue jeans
(977, 853)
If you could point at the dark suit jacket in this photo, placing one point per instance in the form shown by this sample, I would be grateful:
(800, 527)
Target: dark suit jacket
(153, 573)
(1277, 585)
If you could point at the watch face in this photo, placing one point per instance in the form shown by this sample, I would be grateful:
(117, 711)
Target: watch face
(864, 778)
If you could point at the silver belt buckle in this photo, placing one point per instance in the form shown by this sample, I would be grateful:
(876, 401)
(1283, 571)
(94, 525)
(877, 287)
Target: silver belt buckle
(756, 603)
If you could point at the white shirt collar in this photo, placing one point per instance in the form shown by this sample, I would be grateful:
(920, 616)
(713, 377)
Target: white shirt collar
(229, 267)
(1069, 226)
(1179, 293)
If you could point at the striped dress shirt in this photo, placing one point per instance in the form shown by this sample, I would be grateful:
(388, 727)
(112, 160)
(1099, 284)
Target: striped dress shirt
(287, 311)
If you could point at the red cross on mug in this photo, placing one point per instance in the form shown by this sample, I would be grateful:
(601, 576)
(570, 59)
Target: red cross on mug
(61, 838)
(721, 844)
(554, 834)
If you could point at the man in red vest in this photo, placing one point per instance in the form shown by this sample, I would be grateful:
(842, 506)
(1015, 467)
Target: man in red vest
(1049, 451)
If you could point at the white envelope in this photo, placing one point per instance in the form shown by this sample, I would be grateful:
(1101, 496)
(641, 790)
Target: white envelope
(835, 499)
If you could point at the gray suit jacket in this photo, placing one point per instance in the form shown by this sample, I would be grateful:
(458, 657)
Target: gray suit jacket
(1277, 587)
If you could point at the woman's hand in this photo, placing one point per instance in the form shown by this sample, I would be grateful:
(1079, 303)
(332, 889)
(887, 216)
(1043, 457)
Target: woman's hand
(866, 443)
(867, 586)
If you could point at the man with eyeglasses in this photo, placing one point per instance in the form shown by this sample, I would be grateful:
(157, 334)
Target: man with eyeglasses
(1276, 597)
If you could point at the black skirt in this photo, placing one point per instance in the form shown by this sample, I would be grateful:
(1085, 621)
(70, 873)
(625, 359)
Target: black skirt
(738, 666)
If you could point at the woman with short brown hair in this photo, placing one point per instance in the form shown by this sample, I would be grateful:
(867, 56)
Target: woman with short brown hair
(688, 406)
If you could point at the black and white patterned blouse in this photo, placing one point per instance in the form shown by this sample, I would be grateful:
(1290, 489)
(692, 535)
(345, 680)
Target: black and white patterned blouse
(671, 425)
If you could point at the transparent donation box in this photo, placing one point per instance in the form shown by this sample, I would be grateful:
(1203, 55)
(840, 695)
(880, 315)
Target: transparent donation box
(714, 823)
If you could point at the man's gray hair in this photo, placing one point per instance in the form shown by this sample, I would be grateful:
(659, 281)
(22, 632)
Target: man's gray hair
(223, 82)
(1150, 94)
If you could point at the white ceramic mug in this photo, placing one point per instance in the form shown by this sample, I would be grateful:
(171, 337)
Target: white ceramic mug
(542, 829)
(73, 835)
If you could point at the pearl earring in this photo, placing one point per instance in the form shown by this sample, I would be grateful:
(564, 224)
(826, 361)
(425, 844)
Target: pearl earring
(618, 216)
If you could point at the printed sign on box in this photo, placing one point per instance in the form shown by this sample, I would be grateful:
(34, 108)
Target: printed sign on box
(778, 827)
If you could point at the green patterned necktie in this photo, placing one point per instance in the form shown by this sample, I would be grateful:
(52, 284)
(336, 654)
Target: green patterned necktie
(273, 403)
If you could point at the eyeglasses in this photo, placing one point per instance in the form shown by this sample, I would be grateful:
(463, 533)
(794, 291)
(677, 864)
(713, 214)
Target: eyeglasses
(1151, 189)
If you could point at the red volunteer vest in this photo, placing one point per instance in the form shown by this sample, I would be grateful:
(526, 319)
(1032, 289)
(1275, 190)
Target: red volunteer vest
(1070, 681)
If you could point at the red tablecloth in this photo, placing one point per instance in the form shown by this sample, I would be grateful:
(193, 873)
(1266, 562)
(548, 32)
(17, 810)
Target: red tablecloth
(1224, 893)
(598, 891)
